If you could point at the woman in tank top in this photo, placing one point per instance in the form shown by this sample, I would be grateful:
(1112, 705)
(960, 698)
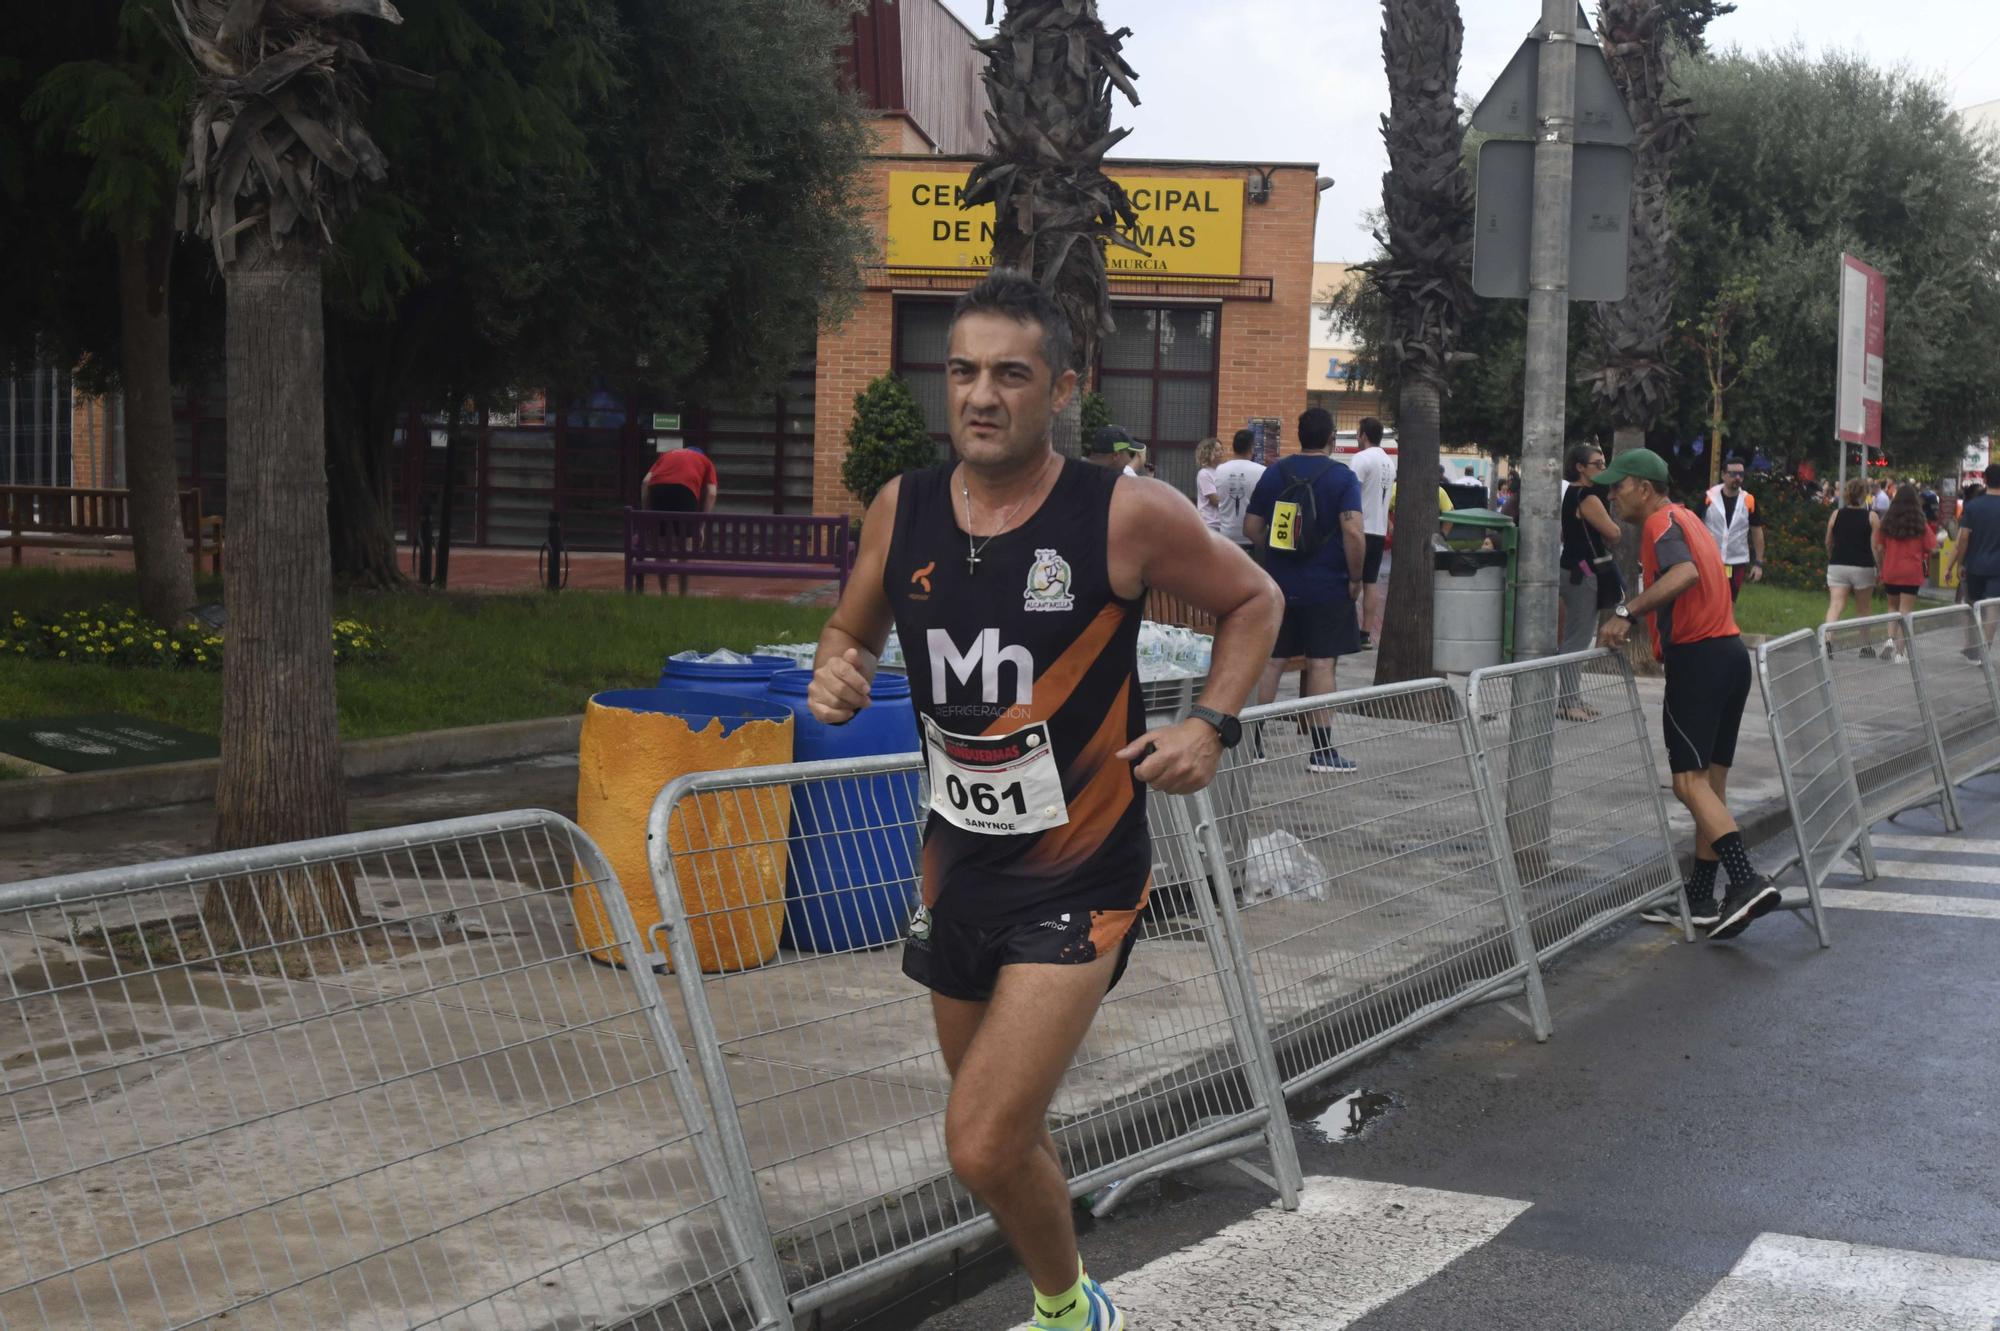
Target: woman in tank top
(1850, 553)
(1588, 534)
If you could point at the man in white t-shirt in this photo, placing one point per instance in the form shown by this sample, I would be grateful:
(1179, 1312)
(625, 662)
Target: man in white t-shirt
(1234, 480)
(1376, 471)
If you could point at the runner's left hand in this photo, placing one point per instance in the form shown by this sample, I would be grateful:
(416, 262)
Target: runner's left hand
(1182, 760)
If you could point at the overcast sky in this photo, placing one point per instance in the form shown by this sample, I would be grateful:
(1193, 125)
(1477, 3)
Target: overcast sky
(1301, 80)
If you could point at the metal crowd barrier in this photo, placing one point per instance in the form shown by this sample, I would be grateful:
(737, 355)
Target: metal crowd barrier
(426, 1108)
(822, 1060)
(1569, 759)
(1375, 900)
(1899, 763)
(1960, 689)
(1810, 736)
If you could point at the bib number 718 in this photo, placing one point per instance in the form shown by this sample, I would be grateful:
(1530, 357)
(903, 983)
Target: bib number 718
(982, 797)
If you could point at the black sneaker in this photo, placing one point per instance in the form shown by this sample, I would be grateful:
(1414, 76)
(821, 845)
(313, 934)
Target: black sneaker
(1702, 914)
(1743, 905)
(1367, 642)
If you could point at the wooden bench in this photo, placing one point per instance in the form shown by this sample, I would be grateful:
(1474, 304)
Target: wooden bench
(1164, 609)
(737, 545)
(75, 517)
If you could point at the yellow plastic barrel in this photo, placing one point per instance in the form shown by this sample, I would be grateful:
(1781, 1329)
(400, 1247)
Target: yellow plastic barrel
(728, 848)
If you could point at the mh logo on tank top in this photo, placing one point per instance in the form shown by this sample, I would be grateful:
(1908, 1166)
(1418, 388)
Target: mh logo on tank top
(986, 656)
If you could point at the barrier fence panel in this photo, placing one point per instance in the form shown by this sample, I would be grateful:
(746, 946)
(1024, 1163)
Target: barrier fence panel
(1569, 759)
(1896, 759)
(425, 1107)
(1373, 900)
(822, 1058)
(1813, 760)
(1959, 688)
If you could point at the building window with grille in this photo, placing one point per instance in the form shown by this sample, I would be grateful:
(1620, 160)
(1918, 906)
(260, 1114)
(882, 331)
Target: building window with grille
(1157, 373)
(922, 341)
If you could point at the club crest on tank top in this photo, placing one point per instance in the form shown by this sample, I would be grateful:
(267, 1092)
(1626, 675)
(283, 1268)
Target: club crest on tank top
(1024, 671)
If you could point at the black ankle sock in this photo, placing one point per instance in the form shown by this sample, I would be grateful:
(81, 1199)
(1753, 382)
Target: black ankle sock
(1322, 736)
(1701, 884)
(1729, 850)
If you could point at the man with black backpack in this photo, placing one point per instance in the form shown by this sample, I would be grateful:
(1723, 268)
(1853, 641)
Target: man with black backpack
(1305, 516)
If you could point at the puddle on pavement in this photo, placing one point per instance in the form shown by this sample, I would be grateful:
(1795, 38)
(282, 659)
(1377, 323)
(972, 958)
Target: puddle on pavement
(175, 987)
(1348, 1117)
(61, 1051)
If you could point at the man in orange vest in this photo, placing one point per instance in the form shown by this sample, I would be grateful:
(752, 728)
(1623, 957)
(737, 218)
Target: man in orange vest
(1737, 526)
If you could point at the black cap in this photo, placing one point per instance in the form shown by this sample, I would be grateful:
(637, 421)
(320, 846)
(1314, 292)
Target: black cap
(1112, 439)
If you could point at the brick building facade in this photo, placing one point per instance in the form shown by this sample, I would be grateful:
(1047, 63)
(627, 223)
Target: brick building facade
(1249, 316)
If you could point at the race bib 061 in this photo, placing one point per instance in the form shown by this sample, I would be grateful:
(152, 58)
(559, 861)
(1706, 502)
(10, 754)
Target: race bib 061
(1003, 785)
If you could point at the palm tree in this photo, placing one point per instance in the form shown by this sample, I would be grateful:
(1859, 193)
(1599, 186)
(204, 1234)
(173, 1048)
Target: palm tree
(276, 157)
(1050, 71)
(1423, 277)
(1632, 376)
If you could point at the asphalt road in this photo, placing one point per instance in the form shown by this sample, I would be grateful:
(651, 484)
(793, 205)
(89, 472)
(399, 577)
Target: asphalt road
(1750, 1136)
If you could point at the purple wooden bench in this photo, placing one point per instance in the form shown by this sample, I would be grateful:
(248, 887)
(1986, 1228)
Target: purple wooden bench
(740, 545)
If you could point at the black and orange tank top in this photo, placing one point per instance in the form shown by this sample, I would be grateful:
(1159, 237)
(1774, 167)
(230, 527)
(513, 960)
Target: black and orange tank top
(1029, 646)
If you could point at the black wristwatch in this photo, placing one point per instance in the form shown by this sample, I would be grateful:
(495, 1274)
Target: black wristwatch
(1225, 725)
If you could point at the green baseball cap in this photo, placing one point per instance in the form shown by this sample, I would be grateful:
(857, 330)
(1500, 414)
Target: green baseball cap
(1641, 462)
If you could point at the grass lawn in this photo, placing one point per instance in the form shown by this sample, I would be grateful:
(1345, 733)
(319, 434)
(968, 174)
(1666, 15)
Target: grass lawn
(459, 660)
(1776, 611)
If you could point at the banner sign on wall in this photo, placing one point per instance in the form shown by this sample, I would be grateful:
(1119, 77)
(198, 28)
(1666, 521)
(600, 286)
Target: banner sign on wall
(1189, 226)
(1863, 300)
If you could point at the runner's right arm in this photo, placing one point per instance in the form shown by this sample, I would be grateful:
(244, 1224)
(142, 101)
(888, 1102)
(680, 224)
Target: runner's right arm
(850, 646)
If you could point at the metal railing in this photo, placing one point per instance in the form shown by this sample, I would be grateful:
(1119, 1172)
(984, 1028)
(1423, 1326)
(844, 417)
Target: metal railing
(1376, 898)
(1814, 762)
(1899, 764)
(369, 1081)
(823, 1061)
(1569, 760)
(1960, 689)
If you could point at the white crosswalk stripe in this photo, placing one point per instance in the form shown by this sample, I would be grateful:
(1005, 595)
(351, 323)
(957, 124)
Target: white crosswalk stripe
(1793, 1284)
(1353, 1246)
(1918, 871)
(1961, 844)
(1349, 1248)
(1909, 903)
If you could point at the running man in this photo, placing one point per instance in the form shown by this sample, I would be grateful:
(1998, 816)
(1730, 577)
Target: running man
(1016, 579)
(1688, 595)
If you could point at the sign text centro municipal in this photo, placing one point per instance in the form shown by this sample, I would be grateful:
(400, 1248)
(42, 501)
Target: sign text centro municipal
(1189, 225)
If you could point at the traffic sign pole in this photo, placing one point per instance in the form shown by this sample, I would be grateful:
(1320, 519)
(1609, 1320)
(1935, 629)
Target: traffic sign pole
(1546, 388)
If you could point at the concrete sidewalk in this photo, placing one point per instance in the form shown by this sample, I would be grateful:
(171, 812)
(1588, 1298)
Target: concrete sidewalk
(832, 1060)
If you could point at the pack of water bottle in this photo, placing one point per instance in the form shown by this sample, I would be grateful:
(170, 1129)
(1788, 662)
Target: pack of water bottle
(721, 657)
(804, 652)
(1167, 651)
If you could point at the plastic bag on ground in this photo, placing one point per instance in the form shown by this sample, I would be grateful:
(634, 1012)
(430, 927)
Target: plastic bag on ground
(1279, 865)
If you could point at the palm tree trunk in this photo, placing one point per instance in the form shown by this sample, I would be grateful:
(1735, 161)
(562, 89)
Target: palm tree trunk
(159, 550)
(281, 776)
(1405, 651)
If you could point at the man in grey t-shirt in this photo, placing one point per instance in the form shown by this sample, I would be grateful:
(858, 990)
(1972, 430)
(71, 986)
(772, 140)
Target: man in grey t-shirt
(1235, 481)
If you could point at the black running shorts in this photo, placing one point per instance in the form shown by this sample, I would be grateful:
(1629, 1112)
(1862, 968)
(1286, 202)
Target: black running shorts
(962, 958)
(1318, 632)
(1708, 682)
(1371, 559)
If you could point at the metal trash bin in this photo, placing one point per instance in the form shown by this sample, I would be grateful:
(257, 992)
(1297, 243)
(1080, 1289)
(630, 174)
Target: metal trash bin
(1470, 527)
(1468, 609)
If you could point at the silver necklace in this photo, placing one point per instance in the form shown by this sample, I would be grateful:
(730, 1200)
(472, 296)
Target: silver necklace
(972, 551)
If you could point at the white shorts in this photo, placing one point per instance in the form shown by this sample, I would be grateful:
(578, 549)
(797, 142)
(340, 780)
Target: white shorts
(1859, 577)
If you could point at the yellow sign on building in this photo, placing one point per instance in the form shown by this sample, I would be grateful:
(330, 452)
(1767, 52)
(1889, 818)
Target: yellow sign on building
(1188, 226)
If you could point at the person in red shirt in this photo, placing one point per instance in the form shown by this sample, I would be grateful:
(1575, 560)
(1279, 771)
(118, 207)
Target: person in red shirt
(1688, 597)
(1902, 543)
(682, 480)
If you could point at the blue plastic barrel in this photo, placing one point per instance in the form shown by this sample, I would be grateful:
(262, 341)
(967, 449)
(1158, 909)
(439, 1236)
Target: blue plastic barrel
(747, 680)
(853, 876)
